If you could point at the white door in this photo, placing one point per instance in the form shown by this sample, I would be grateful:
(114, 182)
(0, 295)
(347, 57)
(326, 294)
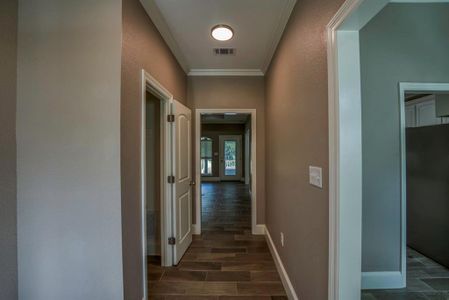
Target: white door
(182, 207)
(230, 157)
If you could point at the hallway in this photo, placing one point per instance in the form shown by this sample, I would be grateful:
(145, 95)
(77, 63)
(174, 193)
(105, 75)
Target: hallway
(226, 261)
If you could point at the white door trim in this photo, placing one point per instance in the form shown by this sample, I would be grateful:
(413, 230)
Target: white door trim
(254, 227)
(345, 147)
(239, 157)
(153, 86)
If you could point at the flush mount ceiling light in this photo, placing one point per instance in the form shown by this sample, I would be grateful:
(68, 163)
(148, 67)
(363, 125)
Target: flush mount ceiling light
(222, 32)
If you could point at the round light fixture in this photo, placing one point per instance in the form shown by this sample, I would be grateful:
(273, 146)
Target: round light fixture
(222, 32)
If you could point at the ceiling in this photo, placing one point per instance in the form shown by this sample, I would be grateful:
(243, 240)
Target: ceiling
(224, 119)
(185, 26)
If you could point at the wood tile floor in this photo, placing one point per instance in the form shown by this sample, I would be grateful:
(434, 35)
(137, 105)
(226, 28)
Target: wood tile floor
(226, 262)
(426, 280)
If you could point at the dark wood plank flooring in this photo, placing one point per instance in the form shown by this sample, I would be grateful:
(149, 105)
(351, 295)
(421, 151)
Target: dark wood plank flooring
(226, 262)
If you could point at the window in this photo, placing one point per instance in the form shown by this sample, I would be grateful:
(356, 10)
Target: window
(206, 156)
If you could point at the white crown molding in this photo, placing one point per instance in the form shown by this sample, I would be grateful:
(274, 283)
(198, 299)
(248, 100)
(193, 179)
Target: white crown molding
(225, 72)
(278, 32)
(155, 15)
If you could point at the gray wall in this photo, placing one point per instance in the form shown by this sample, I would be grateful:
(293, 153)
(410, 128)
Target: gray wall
(428, 191)
(8, 202)
(68, 142)
(404, 42)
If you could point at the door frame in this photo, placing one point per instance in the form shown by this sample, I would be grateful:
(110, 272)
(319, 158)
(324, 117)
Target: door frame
(255, 228)
(247, 166)
(151, 85)
(345, 146)
(221, 140)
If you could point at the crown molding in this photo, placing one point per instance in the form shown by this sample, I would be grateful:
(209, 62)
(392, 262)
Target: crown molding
(225, 72)
(278, 32)
(155, 15)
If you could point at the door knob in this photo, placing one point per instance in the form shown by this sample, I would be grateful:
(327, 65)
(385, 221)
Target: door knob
(192, 183)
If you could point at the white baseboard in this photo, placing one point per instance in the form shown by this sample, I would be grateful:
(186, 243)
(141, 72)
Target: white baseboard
(382, 280)
(291, 293)
(259, 229)
(210, 179)
(196, 229)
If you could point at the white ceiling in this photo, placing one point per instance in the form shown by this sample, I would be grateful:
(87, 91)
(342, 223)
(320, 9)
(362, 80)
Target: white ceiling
(185, 25)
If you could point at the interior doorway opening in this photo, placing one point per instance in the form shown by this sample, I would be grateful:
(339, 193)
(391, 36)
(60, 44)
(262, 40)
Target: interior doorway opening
(225, 163)
(153, 184)
(166, 178)
(224, 180)
(346, 32)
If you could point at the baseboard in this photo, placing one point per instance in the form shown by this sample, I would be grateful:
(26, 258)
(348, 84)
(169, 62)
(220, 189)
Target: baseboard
(210, 179)
(291, 293)
(259, 229)
(382, 280)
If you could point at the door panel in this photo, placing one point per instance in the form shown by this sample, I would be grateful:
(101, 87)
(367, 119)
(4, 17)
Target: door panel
(230, 157)
(182, 144)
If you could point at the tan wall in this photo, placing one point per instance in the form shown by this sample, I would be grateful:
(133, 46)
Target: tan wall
(235, 92)
(143, 47)
(297, 136)
(8, 185)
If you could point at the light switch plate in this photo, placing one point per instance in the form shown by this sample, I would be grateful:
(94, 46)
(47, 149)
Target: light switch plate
(316, 176)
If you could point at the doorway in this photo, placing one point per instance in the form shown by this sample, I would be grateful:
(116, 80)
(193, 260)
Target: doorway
(166, 178)
(153, 178)
(223, 149)
(346, 139)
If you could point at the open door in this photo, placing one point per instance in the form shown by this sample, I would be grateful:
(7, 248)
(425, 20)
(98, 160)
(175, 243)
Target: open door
(182, 158)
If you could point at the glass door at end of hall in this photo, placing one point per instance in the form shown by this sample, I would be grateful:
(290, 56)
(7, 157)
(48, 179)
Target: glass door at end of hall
(230, 157)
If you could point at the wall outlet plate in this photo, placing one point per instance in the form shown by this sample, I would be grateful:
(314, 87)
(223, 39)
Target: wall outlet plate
(316, 176)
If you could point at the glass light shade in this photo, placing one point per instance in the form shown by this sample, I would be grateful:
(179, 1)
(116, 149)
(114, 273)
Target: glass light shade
(222, 33)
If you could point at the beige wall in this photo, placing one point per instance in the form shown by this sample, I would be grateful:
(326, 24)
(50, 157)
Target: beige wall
(8, 185)
(142, 48)
(68, 150)
(297, 136)
(235, 92)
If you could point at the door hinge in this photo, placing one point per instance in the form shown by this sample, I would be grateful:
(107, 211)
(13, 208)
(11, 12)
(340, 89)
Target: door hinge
(170, 118)
(171, 179)
(171, 240)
